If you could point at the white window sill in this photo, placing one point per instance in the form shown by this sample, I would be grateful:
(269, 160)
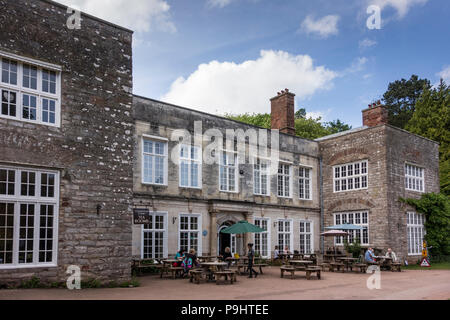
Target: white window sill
(28, 266)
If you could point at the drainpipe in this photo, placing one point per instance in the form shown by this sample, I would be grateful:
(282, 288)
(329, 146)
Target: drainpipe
(322, 217)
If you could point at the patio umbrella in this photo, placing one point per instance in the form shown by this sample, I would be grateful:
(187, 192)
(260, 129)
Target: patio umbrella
(345, 226)
(242, 227)
(334, 233)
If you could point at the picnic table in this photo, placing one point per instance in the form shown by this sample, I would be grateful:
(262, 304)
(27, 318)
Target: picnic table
(301, 264)
(347, 261)
(211, 267)
(206, 258)
(168, 266)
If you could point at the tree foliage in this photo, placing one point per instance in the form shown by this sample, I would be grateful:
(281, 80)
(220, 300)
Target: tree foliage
(431, 119)
(436, 208)
(308, 128)
(400, 99)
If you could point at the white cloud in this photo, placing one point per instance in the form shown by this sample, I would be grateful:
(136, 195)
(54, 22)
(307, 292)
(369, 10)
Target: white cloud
(357, 65)
(141, 16)
(219, 3)
(367, 43)
(445, 74)
(402, 6)
(323, 27)
(323, 115)
(220, 87)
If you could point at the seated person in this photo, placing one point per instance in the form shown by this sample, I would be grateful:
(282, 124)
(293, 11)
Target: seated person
(391, 254)
(189, 261)
(226, 255)
(369, 256)
(276, 253)
(179, 256)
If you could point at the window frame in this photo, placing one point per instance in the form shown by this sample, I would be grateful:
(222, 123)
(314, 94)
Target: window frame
(352, 177)
(189, 231)
(165, 162)
(37, 200)
(416, 179)
(290, 166)
(165, 231)
(419, 230)
(227, 167)
(260, 172)
(190, 161)
(309, 180)
(353, 232)
(40, 95)
(268, 232)
(310, 233)
(291, 234)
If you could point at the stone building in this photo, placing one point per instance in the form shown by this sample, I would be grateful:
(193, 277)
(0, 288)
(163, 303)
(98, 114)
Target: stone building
(79, 152)
(66, 144)
(366, 171)
(192, 200)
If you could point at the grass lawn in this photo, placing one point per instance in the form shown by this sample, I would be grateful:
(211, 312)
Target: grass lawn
(435, 266)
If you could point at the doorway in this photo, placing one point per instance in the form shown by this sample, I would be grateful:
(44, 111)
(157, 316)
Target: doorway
(225, 239)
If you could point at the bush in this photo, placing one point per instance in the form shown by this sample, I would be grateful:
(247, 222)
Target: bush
(354, 248)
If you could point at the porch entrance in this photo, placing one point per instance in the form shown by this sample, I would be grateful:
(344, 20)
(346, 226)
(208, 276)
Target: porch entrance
(225, 239)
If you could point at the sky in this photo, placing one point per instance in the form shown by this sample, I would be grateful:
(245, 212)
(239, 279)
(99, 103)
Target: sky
(232, 56)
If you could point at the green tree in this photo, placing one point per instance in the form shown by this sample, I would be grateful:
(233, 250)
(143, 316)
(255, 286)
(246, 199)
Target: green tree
(431, 119)
(308, 128)
(436, 208)
(400, 99)
(256, 119)
(337, 126)
(300, 113)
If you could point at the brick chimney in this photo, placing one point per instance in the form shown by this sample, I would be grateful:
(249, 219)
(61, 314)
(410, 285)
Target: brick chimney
(282, 112)
(375, 115)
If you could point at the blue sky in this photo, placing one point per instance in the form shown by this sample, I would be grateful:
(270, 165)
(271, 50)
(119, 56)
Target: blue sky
(233, 55)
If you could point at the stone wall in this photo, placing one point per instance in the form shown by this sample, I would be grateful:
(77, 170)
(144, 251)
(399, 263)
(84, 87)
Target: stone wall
(368, 144)
(93, 148)
(402, 147)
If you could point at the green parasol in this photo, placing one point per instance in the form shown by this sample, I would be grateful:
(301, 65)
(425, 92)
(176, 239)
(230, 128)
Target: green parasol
(242, 227)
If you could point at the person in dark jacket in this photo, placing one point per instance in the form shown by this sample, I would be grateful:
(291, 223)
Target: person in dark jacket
(251, 260)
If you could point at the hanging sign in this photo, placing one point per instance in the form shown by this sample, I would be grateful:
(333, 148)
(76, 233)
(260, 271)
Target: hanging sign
(425, 263)
(141, 216)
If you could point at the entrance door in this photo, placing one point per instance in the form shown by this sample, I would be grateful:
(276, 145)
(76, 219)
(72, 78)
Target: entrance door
(226, 240)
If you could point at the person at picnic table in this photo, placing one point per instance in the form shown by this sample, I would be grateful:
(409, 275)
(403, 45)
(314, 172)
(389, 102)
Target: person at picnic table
(179, 256)
(391, 254)
(226, 255)
(251, 260)
(276, 253)
(369, 256)
(189, 261)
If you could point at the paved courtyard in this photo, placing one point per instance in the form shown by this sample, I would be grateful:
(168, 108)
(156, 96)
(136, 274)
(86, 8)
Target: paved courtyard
(410, 284)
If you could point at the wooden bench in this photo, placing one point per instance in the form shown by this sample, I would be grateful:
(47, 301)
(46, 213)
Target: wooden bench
(325, 265)
(240, 267)
(290, 269)
(233, 274)
(175, 271)
(313, 269)
(196, 275)
(361, 266)
(396, 266)
(225, 275)
(140, 264)
(336, 265)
